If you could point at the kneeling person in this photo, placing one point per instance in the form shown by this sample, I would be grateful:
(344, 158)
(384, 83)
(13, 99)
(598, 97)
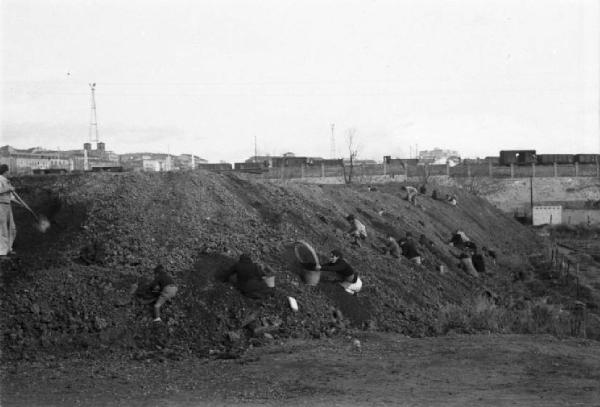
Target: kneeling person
(345, 274)
(249, 278)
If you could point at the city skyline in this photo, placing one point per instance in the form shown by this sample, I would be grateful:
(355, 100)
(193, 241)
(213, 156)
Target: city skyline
(210, 78)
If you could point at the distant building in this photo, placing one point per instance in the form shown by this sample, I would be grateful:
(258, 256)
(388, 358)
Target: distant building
(437, 156)
(26, 161)
(147, 162)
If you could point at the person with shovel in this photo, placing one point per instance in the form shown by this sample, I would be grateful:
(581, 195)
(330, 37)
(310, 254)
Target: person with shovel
(8, 230)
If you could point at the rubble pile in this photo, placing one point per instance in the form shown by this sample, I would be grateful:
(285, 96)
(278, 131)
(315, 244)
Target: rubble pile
(76, 288)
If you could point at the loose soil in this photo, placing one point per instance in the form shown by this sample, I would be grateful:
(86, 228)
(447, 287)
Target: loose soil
(387, 370)
(70, 300)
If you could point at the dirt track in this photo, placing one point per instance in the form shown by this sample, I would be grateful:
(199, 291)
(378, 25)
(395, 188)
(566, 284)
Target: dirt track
(480, 370)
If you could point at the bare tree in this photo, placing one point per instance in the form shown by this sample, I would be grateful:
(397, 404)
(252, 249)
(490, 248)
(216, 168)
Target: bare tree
(353, 153)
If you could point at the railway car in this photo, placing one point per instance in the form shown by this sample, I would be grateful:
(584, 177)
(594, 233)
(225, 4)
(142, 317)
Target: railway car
(253, 167)
(114, 168)
(215, 166)
(517, 157)
(549, 159)
(38, 171)
(587, 158)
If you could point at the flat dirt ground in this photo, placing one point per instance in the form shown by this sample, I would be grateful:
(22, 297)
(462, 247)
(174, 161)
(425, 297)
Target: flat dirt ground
(386, 369)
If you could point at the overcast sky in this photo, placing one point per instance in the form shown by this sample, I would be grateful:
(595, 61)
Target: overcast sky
(210, 77)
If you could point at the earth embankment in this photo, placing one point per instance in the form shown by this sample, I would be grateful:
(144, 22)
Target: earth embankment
(72, 288)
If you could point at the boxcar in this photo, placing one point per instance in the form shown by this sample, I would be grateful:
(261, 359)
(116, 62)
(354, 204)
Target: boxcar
(517, 157)
(214, 166)
(549, 159)
(587, 158)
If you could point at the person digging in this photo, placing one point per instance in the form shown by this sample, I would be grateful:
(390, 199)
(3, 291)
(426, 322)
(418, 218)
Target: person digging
(249, 276)
(344, 273)
(164, 285)
(357, 231)
(8, 230)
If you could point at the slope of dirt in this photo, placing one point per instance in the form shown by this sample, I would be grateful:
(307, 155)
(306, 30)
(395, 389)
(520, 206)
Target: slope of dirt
(196, 224)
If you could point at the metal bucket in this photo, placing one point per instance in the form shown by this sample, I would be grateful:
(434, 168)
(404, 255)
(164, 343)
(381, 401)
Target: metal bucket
(312, 277)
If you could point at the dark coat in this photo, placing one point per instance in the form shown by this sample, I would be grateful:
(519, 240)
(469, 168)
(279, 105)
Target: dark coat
(344, 271)
(249, 277)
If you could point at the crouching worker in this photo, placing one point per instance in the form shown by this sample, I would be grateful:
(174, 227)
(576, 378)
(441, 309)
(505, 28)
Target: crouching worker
(249, 278)
(163, 283)
(357, 229)
(409, 249)
(344, 274)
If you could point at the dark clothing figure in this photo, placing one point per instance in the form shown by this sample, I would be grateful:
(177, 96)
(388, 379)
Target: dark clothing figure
(161, 280)
(409, 250)
(345, 274)
(344, 271)
(423, 189)
(470, 245)
(434, 194)
(478, 262)
(466, 263)
(249, 278)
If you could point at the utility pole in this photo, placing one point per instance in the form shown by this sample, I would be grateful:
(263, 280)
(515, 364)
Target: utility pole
(93, 132)
(255, 151)
(332, 142)
(531, 196)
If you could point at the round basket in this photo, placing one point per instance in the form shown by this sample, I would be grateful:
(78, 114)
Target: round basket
(305, 253)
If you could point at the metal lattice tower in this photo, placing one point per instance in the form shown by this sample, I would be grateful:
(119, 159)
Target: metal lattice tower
(93, 119)
(332, 142)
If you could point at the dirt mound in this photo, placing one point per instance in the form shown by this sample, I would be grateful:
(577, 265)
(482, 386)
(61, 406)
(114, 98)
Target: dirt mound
(73, 288)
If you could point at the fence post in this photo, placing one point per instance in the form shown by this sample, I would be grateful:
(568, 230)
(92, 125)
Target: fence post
(448, 169)
(301, 170)
(384, 168)
(512, 170)
(490, 169)
(532, 169)
(555, 170)
(576, 169)
(322, 170)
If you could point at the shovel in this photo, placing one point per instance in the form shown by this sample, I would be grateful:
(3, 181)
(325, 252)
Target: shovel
(42, 222)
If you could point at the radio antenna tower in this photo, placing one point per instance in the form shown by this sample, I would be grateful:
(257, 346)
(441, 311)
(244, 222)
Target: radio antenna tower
(93, 119)
(332, 142)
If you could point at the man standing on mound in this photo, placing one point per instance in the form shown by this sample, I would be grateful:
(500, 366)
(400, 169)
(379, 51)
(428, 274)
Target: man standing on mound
(8, 230)
(345, 275)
